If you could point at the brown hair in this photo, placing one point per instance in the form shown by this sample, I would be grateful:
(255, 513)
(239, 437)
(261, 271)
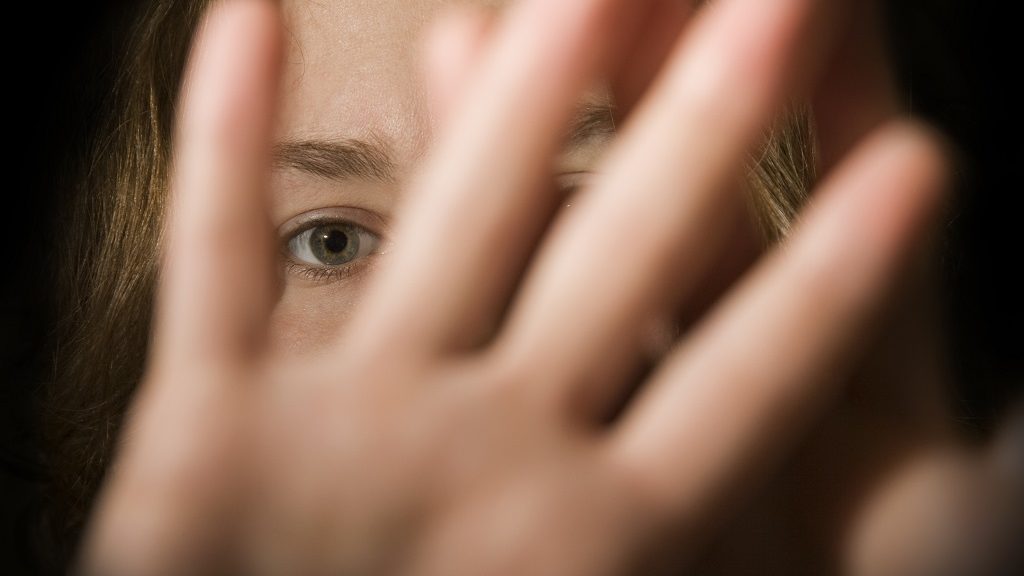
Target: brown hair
(109, 262)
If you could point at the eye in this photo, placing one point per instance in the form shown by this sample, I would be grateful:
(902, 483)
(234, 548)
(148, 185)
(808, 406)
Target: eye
(323, 249)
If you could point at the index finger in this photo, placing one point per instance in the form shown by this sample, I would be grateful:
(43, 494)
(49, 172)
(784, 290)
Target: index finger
(217, 275)
(167, 500)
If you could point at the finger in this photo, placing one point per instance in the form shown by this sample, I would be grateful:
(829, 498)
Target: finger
(662, 29)
(486, 195)
(454, 47)
(944, 511)
(729, 399)
(217, 281)
(913, 523)
(858, 91)
(167, 504)
(642, 240)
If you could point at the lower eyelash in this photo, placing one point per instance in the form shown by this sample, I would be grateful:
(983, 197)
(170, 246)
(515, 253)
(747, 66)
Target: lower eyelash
(325, 275)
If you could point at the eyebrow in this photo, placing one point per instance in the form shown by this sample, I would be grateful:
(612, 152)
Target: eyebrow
(338, 159)
(372, 160)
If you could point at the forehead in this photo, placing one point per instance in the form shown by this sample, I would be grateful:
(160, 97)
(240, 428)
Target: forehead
(353, 69)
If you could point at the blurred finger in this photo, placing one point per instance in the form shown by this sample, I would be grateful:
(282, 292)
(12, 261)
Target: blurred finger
(217, 282)
(729, 399)
(168, 501)
(658, 220)
(943, 512)
(486, 195)
(455, 45)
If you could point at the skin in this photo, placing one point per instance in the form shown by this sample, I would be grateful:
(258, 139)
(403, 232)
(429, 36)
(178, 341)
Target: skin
(380, 104)
(443, 409)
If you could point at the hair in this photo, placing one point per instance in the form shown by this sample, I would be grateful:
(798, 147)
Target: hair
(110, 257)
(108, 263)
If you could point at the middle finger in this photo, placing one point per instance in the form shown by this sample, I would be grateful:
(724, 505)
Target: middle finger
(669, 197)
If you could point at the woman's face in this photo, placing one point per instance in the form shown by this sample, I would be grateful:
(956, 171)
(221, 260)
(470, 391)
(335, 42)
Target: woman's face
(354, 122)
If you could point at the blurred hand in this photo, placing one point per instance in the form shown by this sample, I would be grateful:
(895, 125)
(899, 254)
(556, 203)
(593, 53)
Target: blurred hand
(462, 423)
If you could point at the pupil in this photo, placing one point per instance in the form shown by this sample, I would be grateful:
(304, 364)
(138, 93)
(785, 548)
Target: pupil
(335, 240)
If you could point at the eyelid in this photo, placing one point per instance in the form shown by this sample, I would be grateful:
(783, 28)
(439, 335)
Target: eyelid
(371, 221)
(572, 183)
(574, 179)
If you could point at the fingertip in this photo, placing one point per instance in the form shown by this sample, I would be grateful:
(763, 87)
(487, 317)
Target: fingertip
(897, 177)
(229, 22)
(454, 42)
(243, 15)
(238, 47)
(926, 158)
(456, 28)
(933, 145)
(215, 287)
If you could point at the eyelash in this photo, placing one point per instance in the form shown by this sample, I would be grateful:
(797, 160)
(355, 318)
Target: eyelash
(322, 275)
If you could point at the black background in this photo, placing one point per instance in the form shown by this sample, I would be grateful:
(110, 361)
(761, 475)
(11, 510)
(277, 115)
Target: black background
(958, 60)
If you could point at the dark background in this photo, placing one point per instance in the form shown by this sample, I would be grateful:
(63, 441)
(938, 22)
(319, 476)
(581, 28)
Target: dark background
(957, 60)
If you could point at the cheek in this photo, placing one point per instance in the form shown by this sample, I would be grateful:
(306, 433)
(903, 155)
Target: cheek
(307, 320)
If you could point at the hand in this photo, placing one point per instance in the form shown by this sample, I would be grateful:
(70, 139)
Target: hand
(461, 424)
